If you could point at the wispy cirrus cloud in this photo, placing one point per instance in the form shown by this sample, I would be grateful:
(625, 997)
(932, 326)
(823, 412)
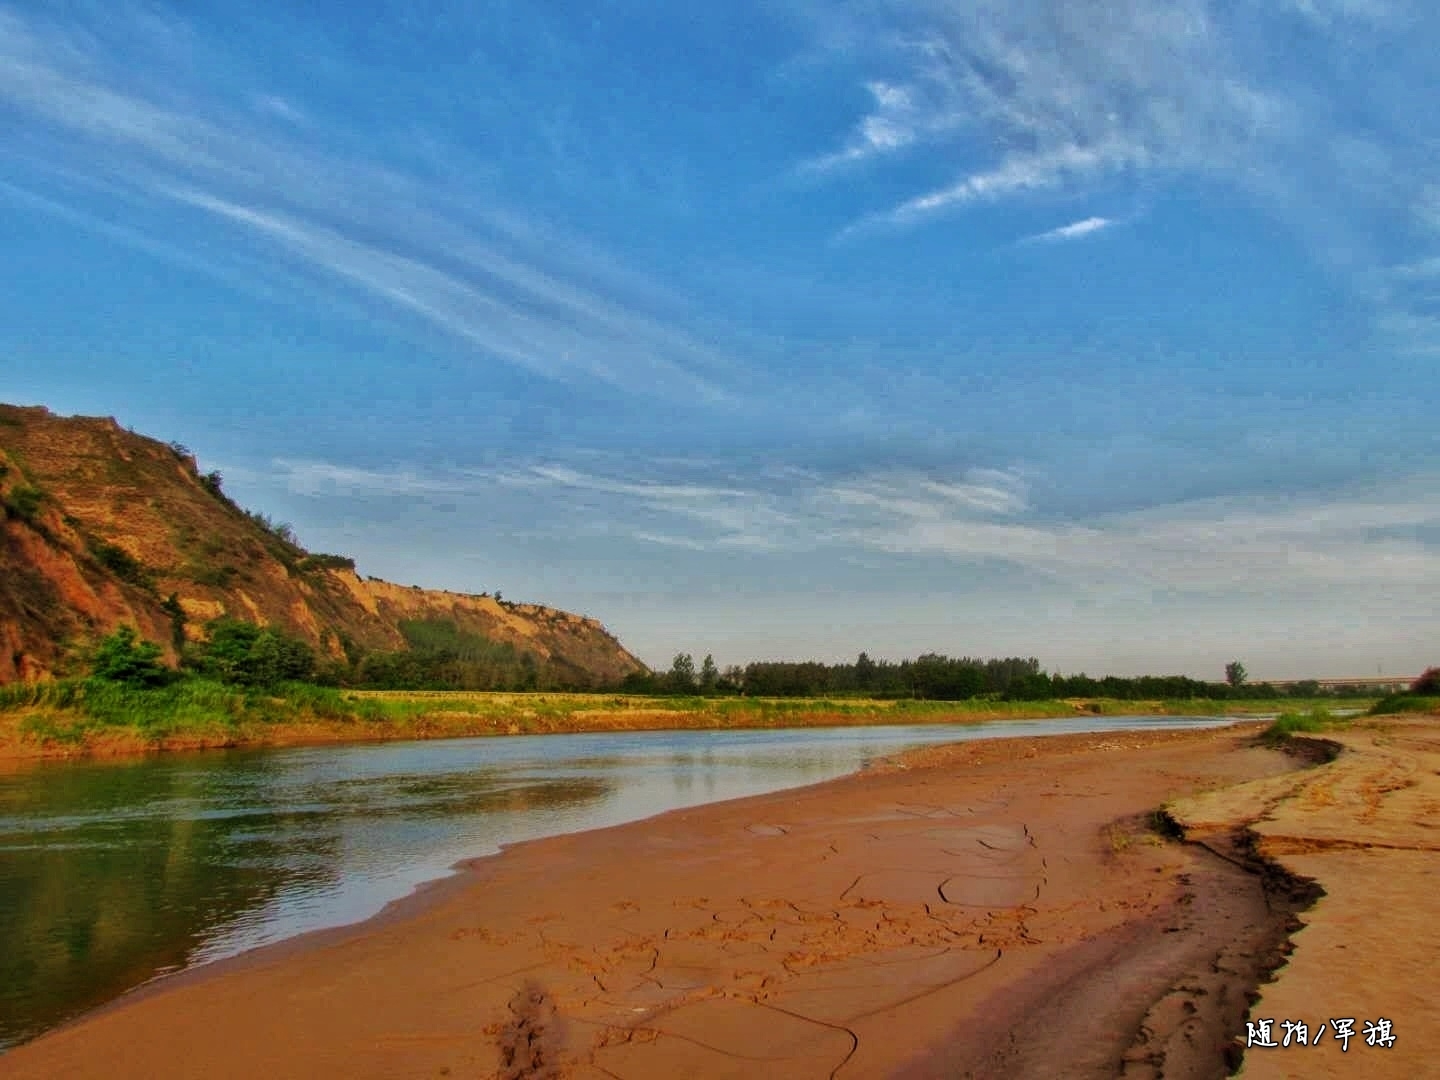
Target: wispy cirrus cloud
(681, 503)
(904, 496)
(275, 105)
(901, 118)
(1228, 546)
(1018, 174)
(1074, 231)
(651, 491)
(328, 479)
(1064, 93)
(1351, 540)
(1038, 102)
(714, 516)
(552, 328)
(1328, 12)
(434, 258)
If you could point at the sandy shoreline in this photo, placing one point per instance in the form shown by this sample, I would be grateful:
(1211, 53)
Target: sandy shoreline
(20, 747)
(996, 908)
(17, 750)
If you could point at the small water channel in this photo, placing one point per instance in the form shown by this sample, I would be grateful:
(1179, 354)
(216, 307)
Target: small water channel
(115, 872)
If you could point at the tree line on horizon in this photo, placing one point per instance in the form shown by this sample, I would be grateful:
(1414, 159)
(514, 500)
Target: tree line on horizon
(442, 656)
(937, 677)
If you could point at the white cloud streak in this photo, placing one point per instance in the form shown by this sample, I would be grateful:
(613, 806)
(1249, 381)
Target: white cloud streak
(1073, 231)
(1066, 92)
(1349, 540)
(253, 162)
(1225, 546)
(898, 120)
(1038, 101)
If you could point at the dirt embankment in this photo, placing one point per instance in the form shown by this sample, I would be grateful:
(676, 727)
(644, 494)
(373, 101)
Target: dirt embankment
(100, 526)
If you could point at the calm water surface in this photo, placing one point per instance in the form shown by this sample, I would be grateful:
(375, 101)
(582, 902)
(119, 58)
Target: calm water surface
(115, 872)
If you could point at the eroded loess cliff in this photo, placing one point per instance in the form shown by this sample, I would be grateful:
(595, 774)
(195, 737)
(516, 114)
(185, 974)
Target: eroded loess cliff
(103, 527)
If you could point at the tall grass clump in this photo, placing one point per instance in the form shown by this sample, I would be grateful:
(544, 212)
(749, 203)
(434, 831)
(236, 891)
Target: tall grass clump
(1423, 696)
(177, 706)
(1288, 724)
(1396, 704)
(68, 709)
(322, 703)
(64, 694)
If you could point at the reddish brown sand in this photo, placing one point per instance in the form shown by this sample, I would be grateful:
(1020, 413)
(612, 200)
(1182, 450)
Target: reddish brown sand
(988, 909)
(1364, 827)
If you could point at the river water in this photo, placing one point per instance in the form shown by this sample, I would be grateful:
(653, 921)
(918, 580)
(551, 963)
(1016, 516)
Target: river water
(113, 873)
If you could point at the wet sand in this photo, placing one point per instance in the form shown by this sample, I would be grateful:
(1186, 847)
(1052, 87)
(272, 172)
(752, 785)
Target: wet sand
(987, 909)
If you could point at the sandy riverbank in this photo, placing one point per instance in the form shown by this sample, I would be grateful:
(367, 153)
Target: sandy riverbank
(990, 909)
(19, 747)
(234, 721)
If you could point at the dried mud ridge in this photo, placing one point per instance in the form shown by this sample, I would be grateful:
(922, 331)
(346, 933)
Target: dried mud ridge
(1192, 970)
(1218, 996)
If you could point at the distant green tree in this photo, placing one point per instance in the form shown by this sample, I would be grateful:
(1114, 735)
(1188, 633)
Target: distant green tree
(125, 657)
(1235, 674)
(1428, 683)
(250, 655)
(709, 675)
(864, 672)
(640, 682)
(732, 680)
(681, 679)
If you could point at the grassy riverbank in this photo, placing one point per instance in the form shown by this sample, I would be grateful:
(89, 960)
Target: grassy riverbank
(93, 716)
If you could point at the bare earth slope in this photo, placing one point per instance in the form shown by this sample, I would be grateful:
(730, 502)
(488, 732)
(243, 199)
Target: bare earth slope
(101, 526)
(989, 909)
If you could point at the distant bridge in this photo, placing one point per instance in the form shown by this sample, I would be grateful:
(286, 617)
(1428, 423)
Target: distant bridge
(1384, 684)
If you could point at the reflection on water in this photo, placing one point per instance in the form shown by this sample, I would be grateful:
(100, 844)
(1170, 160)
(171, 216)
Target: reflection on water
(114, 872)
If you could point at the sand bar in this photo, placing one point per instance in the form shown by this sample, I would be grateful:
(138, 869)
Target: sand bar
(988, 909)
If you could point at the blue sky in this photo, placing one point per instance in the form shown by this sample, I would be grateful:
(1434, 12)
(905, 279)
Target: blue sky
(1100, 332)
